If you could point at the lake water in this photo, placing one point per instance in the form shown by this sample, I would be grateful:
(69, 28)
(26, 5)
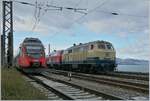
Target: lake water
(134, 68)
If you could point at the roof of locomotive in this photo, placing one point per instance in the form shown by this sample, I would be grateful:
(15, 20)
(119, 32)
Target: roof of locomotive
(26, 40)
(31, 41)
(84, 44)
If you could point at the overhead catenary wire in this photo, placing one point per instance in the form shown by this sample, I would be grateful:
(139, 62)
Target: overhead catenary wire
(37, 18)
(112, 13)
(92, 10)
(48, 7)
(121, 14)
(78, 9)
(35, 11)
(86, 12)
(22, 2)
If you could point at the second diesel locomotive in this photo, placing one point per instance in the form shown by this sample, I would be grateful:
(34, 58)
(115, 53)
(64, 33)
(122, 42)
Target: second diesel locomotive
(31, 57)
(89, 57)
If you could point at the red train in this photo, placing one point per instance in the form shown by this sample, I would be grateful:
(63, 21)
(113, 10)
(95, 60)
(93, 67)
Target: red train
(55, 58)
(31, 57)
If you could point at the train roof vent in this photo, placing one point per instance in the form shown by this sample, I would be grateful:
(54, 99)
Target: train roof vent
(80, 43)
(74, 44)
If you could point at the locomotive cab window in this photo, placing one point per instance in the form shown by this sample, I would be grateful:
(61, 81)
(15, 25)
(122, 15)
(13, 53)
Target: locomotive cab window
(76, 49)
(81, 49)
(65, 52)
(20, 51)
(92, 47)
(69, 51)
(101, 46)
(86, 48)
(109, 47)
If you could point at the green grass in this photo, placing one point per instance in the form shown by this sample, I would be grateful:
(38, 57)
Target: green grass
(15, 87)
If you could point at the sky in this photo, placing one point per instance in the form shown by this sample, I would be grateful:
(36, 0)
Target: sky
(128, 31)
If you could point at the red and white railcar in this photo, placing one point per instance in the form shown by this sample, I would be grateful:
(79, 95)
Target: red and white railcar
(31, 57)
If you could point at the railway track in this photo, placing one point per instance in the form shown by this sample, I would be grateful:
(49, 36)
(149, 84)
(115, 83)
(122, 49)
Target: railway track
(66, 91)
(137, 85)
(129, 75)
(133, 73)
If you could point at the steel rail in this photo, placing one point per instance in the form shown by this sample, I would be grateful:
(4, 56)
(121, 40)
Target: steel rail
(104, 95)
(133, 73)
(116, 83)
(126, 75)
(60, 94)
(124, 84)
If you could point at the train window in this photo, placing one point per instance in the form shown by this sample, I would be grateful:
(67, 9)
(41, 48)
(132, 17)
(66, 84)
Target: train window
(81, 48)
(70, 51)
(92, 47)
(20, 52)
(76, 49)
(65, 52)
(84, 48)
(101, 46)
(35, 55)
(34, 49)
(109, 46)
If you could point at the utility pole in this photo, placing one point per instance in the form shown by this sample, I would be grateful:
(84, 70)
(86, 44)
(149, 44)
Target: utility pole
(2, 49)
(10, 49)
(48, 49)
(7, 37)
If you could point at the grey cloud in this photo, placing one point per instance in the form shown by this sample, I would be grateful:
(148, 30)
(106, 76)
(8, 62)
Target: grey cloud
(139, 49)
(64, 19)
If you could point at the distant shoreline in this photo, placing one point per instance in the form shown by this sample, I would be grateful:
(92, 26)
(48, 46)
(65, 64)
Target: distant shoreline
(133, 64)
(144, 68)
(129, 61)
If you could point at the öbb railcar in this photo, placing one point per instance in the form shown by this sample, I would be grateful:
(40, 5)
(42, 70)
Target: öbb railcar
(31, 57)
(89, 57)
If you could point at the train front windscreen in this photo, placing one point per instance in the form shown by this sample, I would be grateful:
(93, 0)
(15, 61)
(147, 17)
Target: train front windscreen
(35, 51)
